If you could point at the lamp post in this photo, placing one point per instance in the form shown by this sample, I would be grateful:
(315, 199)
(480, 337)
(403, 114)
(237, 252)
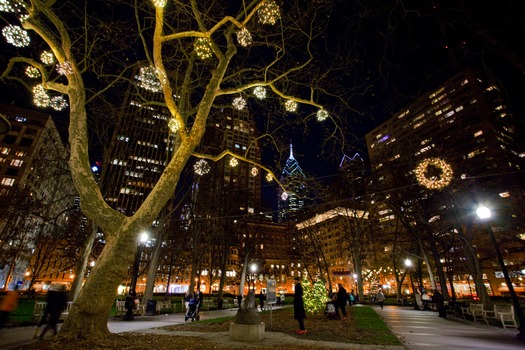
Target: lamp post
(484, 213)
(408, 265)
(253, 276)
(136, 263)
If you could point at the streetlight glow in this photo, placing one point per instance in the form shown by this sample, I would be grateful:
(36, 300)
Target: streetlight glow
(408, 263)
(483, 212)
(143, 237)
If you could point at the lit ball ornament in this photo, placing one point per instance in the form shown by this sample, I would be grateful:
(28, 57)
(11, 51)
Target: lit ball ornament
(322, 115)
(255, 171)
(269, 13)
(16, 36)
(259, 92)
(148, 80)
(239, 103)
(290, 106)
(47, 57)
(173, 125)
(64, 68)
(284, 196)
(58, 103)
(244, 37)
(203, 48)
(40, 96)
(234, 162)
(201, 167)
(32, 72)
(434, 173)
(10, 6)
(159, 3)
(269, 177)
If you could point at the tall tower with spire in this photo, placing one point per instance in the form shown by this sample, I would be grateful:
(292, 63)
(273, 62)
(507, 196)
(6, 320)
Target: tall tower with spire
(291, 200)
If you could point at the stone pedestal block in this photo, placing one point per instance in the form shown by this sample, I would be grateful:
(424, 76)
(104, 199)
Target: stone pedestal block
(247, 332)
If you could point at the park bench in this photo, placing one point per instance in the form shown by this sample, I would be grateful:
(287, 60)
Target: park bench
(40, 307)
(207, 304)
(163, 306)
(121, 309)
(507, 318)
(492, 316)
(475, 311)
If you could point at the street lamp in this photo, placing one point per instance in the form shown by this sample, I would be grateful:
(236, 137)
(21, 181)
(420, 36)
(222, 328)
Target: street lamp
(484, 213)
(253, 276)
(136, 263)
(408, 265)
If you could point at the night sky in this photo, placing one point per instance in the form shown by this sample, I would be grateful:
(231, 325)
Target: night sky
(396, 51)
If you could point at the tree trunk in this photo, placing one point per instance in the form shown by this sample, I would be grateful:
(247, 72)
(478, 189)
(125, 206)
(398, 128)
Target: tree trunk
(80, 269)
(152, 267)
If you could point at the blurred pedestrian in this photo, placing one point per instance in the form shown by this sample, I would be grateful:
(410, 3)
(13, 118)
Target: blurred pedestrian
(380, 298)
(56, 304)
(298, 306)
(8, 305)
(341, 300)
(438, 299)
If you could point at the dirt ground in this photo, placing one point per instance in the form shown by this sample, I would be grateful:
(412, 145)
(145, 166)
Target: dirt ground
(319, 328)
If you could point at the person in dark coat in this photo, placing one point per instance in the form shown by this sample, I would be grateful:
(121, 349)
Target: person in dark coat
(438, 299)
(298, 306)
(56, 304)
(341, 300)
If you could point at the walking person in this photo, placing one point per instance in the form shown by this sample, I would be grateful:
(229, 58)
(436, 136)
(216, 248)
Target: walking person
(380, 298)
(342, 298)
(9, 304)
(298, 306)
(56, 303)
(438, 299)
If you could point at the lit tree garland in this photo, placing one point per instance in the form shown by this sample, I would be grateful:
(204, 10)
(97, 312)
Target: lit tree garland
(234, 162)
(269, 13)
(322, 115)
(259, 92)
(47, 57)
(203, 48)
(32, 72)
(64, 68)
(290, 106)
(244, 37)
(40, 96)
(159, 3)
(434, 173)
(16, 36)
(173, 125)
(201, 167)
(148, 79)
(269, 177)
(239, 103)
(58, 103)
(255, 171)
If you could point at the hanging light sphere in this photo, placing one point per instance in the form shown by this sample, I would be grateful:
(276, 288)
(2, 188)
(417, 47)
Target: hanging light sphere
(255, 171)
(322, 115)
(259, 92)
(173, 125)
(234, 162)
(10, 6)
(244, 37)
(47, 57)
(16, 36)
(269, 177)
(40, 96)
(58, 103)
(203, 48)
(284, 196)
(159, 3)
(32, 72)
(269, 13)
(290, 106)
(239, 103)
(201, 167)
(148, 80)
(434, 173)
(64, 68)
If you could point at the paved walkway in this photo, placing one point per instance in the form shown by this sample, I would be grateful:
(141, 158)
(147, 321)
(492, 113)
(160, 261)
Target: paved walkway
(418, 330)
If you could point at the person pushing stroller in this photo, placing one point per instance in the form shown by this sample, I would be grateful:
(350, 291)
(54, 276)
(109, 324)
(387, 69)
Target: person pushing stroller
(193, 309)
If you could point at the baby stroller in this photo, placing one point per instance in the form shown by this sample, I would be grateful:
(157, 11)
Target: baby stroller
(330, 311)
(193, 310)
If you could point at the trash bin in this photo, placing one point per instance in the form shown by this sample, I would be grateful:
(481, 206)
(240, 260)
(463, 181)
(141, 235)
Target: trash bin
(219, 303)
(151, 307)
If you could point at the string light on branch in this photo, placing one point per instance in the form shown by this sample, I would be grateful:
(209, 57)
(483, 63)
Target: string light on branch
(159, 3)
(203, 48)
(244, 37)
(322, 115)
(234, 162)
(290, 106)
(40, 96)
(239, 103)
(47, 57)
(434, 173)
(10, 6)
(148, 80)
(269, 177)
(201, 167)
(269, 13)
(64, 68)
(259, 92)
(284, 196)
(32, 72)
(255, 171)
(16, 36)
(173, 125)
(58, 103)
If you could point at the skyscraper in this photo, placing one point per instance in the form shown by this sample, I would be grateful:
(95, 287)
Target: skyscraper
(291, 200)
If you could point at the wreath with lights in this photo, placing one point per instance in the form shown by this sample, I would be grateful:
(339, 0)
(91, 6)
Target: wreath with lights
(434, 173)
